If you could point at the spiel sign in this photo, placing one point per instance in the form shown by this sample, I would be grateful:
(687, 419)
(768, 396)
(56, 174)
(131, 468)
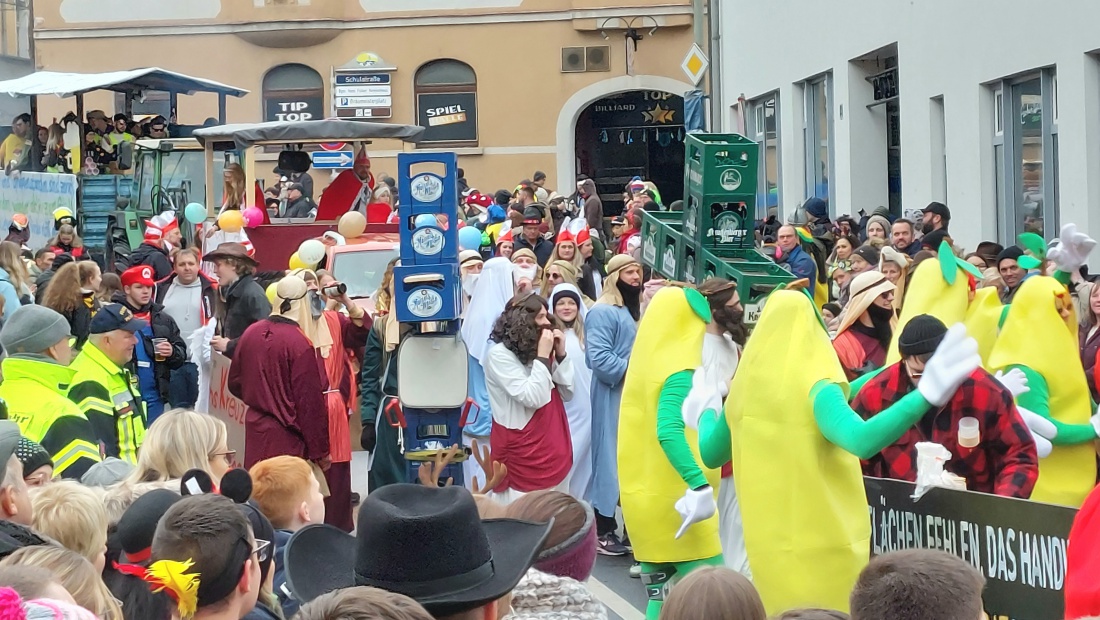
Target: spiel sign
(447, 117)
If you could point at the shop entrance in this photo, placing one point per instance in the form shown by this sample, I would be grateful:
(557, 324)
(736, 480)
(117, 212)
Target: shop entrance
(636, 133)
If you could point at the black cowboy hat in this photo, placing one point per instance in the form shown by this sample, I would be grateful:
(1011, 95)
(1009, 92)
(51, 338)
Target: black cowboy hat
(426, 543)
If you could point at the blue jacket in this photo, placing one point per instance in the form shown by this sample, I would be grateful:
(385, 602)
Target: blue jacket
(289, 604)
(11, 296)
(800, 264)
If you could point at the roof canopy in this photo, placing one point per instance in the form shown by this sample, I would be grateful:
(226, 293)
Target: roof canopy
(135, 81)
(244, 135)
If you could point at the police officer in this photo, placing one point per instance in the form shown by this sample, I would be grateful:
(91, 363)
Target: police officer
(104, 389)
(36, 371)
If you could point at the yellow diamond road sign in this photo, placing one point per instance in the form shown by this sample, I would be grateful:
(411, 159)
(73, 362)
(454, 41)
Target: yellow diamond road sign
(695, 64)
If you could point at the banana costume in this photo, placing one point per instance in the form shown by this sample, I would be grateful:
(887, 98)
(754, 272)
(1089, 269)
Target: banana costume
(658, 456)
(940, 288)
(983, 318)
(796, 446)
(1039, 336)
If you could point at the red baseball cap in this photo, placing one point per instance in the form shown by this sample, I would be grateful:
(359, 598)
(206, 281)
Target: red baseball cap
(142, 274)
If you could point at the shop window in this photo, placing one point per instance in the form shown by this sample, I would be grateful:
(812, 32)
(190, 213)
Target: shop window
(818, 133)
(293, 92)
(446, 103)
(765, 124)
(1025, 152)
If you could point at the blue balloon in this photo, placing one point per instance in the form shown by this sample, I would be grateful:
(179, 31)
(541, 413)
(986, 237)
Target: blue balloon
(424, 219)
(195, 213)
(469, 238)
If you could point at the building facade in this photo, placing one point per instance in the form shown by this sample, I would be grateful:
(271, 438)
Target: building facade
(513, 86)
(993, 109)
(15, 55)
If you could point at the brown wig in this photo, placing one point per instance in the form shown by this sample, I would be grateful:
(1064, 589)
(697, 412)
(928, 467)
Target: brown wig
(516, 328)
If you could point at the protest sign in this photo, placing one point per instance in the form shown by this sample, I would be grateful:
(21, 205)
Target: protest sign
(1018, 545)
(36, 195)
(226, 407)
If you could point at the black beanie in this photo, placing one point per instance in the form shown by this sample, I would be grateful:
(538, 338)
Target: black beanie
(921, 335)
(868, 253)
(1012, 252)
(31, 455)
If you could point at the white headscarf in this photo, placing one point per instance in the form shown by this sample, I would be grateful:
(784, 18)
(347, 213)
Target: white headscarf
(491, 293)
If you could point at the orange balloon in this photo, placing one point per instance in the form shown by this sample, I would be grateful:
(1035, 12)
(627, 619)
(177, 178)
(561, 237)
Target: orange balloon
(232, 220)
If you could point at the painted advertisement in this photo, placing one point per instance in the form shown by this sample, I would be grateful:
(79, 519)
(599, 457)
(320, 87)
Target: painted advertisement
(36, 195)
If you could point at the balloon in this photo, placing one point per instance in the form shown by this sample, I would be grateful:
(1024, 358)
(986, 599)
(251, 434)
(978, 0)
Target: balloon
(469, 238)
(253, 217)
(272, 288)
(195, 213)
(296, 262)
(231, 221)
(425, 219)
(311, 252)
(352, 224)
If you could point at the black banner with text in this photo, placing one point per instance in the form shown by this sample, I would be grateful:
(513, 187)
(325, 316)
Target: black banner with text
(1019, 546)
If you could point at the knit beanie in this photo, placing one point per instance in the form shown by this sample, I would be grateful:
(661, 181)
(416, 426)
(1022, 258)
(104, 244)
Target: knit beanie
(31, 455)
(816, 207)
(540, 596)
(33, 329)
(867, 253)
(921, 335)
(1012, 253)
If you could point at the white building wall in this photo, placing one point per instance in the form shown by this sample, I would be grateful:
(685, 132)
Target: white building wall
(945, 48)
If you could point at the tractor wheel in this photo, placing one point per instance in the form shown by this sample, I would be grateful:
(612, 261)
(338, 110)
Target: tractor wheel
(118, 247)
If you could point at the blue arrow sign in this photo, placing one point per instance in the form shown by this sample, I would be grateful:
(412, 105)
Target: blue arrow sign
(332, 159)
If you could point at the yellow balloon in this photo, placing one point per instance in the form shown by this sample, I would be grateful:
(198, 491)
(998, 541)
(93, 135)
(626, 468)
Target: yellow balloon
(271, 290)
(352, 224)
(232, 220)
(296, 262)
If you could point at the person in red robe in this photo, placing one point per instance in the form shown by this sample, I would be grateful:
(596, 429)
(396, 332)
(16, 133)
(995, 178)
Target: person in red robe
(351, 190)
(275, 372)
(336, 337)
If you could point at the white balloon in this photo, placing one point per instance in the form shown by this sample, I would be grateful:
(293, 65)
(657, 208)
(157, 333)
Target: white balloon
(311, 251)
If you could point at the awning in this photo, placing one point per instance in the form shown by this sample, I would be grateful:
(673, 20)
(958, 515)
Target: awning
(244, 135)
(135, 81)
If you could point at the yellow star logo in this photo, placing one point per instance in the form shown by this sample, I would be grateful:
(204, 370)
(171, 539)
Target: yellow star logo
(659, 115)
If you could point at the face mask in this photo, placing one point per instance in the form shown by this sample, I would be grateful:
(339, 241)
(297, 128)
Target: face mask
(520, 272)
(316, 304)
(469, 283)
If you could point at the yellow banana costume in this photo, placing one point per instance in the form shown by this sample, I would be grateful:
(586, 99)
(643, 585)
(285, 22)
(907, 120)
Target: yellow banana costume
(653, 474)
(1039, 336)
(802, 498)
(982, 320)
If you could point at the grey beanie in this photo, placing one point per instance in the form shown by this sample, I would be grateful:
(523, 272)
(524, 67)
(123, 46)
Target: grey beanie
(33, 329)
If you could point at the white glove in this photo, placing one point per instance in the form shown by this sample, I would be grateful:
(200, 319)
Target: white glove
(1095, 421)
(695, 506)
(1071, 249)
(1042, 430)
(1015, 381)
(951, 364)
(702, 397)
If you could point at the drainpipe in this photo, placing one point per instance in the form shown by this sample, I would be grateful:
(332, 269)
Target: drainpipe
(714, 73)
(698, 11)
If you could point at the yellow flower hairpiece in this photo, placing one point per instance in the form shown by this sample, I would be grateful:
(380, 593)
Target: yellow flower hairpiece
(172, 576)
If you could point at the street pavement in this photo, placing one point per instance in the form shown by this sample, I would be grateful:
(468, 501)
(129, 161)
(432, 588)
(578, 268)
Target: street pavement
(611, 583)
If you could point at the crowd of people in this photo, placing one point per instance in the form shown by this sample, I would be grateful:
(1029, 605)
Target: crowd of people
(620, 413)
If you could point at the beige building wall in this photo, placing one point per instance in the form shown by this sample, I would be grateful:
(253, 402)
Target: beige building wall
(527, 106)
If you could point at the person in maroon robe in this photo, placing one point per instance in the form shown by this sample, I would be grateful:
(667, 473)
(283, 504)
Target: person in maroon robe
(276, 373)
(351, 190)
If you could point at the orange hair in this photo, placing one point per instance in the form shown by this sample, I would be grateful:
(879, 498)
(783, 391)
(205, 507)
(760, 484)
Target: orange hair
(279, 485)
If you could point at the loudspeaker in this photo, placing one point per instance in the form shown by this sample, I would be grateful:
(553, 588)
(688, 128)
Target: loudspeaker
(597, 58)
(572, 59)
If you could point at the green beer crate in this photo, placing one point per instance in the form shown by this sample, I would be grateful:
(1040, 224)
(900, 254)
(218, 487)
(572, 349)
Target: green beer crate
(755, 274)
(720, 187)
(660, 231)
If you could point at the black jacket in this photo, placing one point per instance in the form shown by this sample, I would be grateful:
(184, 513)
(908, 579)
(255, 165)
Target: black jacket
(542, 248)
(154, 256)
(300, 208)
(80, 322)
(587, 282)
(245, 303)
(209, 294)
(164, 326)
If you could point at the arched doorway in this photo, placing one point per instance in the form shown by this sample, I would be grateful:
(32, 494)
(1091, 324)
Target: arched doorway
(629, 134)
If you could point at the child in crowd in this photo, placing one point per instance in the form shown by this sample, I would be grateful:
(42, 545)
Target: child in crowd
(289, 495)
(363, 603)
(73, 515)
(918, 584)
(714, 593)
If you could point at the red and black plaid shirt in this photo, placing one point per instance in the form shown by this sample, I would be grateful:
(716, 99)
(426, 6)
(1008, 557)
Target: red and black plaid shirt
(1004, 463)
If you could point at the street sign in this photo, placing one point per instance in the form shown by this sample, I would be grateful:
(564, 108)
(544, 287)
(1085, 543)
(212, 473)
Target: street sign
(362, 91)
(358, 79)
(364, 102)
(333, 146)
(695, 64)
(332, 159)
(371, 113)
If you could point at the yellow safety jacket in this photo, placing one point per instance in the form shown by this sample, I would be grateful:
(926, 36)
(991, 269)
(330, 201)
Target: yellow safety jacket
(109, 397)
(34, 390)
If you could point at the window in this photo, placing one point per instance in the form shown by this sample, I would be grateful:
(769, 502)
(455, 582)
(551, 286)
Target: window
(293, 92)
(15, 28)
(818, 128)
(446, 103)
(1025, 152)
(765, 127)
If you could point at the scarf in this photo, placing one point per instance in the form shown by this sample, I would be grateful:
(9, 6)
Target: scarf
(293, 303)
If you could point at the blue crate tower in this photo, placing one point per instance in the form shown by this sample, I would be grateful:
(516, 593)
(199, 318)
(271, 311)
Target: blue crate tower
(428, 295)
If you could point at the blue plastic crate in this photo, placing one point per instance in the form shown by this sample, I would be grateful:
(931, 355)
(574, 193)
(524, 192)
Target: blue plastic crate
(427, 292)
